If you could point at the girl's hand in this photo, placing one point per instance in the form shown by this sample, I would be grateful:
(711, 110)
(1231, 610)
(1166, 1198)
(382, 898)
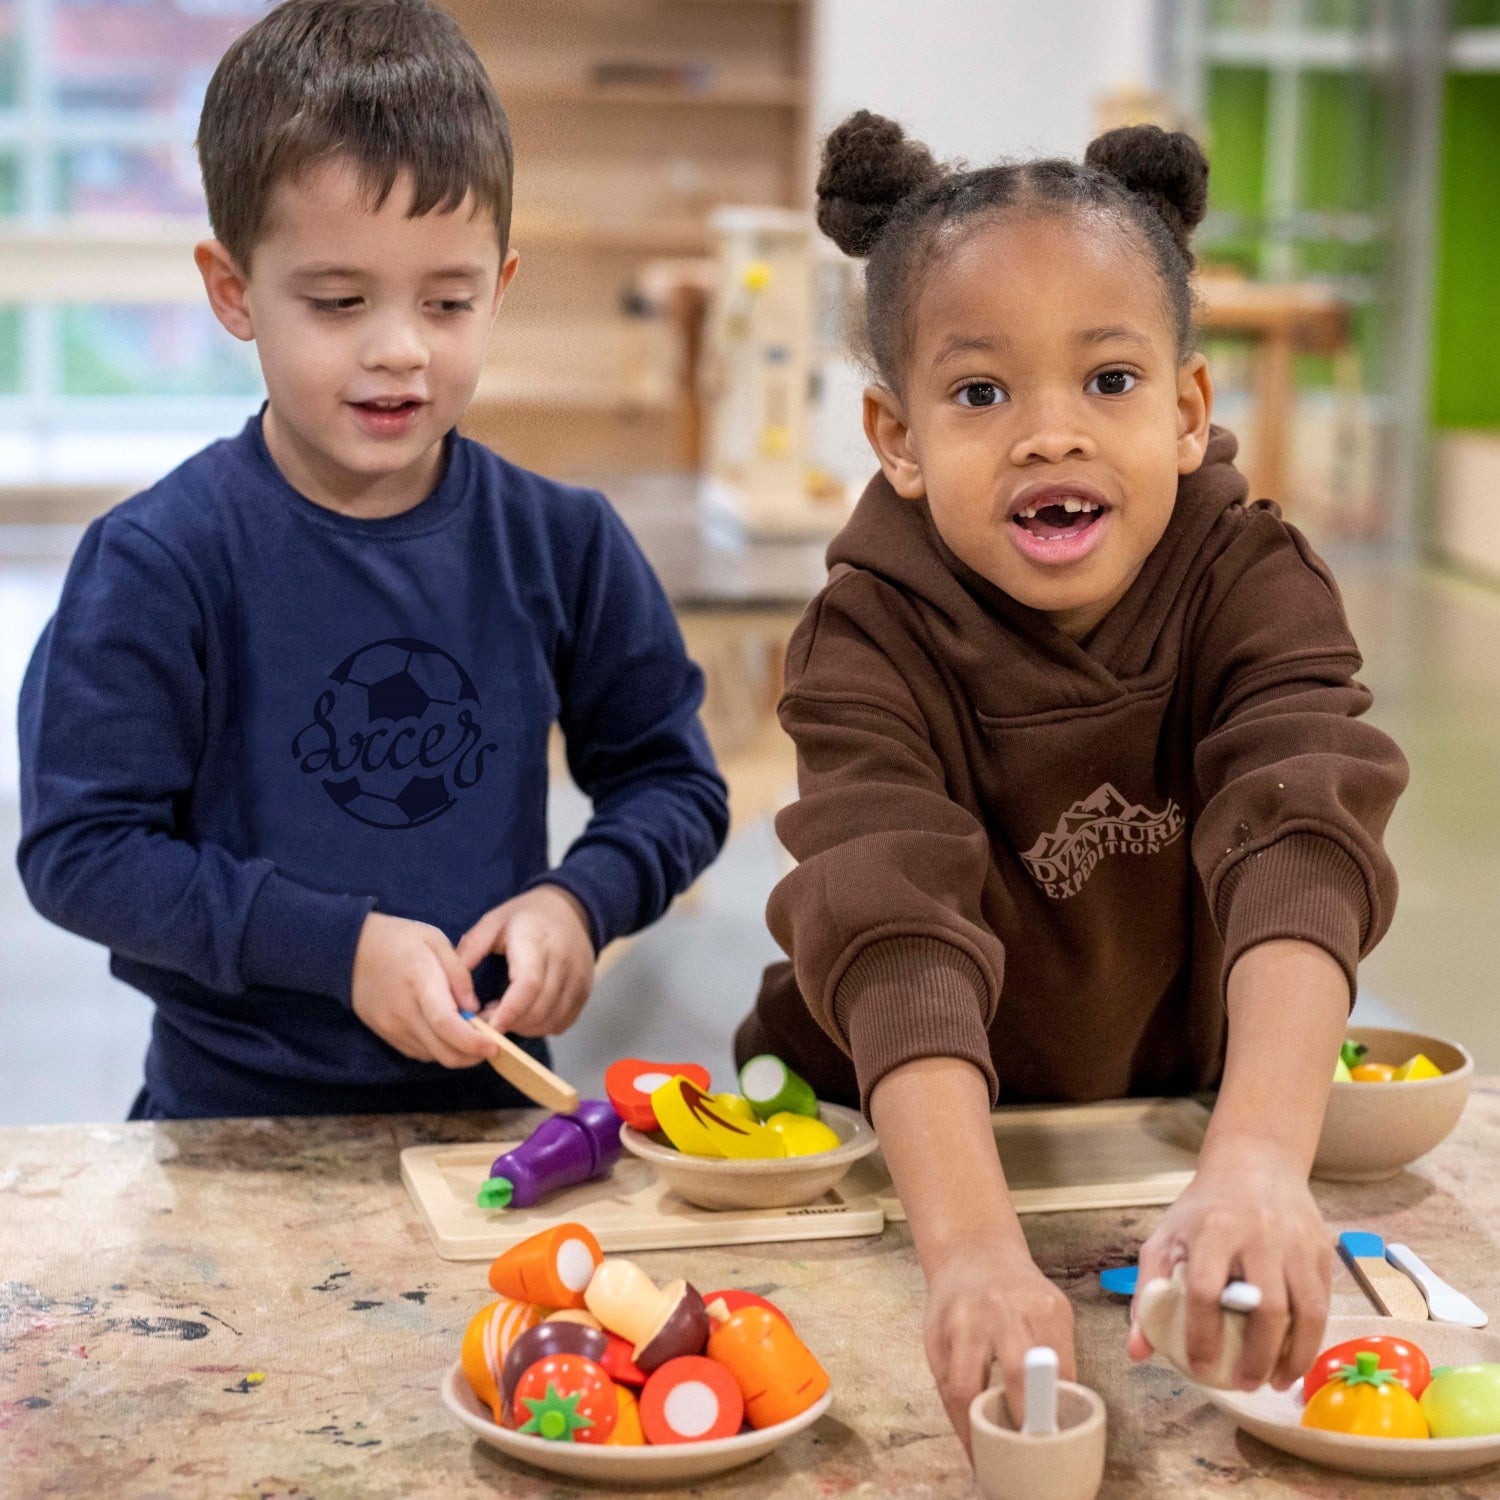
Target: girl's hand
(544, 936)
(1248, 1215)
(987, 1306)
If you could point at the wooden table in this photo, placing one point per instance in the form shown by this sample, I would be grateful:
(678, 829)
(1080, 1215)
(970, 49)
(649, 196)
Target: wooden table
(148, 1274)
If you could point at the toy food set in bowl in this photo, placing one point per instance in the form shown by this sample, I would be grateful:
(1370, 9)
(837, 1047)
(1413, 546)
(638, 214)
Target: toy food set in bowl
(743, 1166)
(1403, 1094)
(585, 1367)
(773, 1145)
(1388, 1397)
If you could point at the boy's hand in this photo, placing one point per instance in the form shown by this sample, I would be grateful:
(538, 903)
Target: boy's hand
(544, 935)
(987, 1305)
(1246, 1214)
(408, 988)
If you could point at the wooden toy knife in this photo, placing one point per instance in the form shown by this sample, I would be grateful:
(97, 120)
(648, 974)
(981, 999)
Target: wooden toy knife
(1392, 1293)
(1445, 1304)
(523, 1071)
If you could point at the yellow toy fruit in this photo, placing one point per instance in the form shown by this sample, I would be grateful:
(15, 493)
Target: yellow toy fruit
(803, 1137)
(487, 1340)
(1366, 1401)
(735, 1108)
(1420, 1066)
(695, 1124)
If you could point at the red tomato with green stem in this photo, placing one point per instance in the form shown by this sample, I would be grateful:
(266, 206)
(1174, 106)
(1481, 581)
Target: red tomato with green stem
(1404, 1360)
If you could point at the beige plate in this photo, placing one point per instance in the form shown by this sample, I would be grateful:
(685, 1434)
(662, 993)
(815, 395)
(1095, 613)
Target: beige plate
(762, 1182)
(1275, 1417)
(601, 1464)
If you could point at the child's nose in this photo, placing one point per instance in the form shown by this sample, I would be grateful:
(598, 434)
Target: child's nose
(1052, 433)
(395, 344)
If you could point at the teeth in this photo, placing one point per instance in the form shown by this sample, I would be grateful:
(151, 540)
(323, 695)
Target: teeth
(1029, 514)
(1072, 505)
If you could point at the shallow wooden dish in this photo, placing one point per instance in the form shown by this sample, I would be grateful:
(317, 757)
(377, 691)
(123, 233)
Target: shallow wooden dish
(1275, 1417)
(1372, 1130)
(674, 1463)
(713, 1182)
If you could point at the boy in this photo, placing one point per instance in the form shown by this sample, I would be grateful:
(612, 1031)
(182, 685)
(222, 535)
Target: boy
(286, 738)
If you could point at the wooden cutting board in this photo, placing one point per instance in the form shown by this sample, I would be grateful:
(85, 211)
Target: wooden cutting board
(631, 1209)
(1126, 1153)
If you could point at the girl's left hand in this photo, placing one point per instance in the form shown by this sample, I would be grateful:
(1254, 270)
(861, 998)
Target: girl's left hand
(1246, 1215)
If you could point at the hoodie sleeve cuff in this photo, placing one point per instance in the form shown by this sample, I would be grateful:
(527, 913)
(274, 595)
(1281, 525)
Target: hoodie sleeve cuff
(605, 883)
(908, 997)
(1303, 886)
(297, 938)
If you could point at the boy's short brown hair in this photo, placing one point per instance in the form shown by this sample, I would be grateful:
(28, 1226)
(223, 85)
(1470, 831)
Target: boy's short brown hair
(393, 84)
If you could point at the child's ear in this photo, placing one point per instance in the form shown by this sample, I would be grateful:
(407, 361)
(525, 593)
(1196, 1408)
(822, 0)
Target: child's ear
(507, 274)
(225, 284)
(890, 437)
(1195, 409)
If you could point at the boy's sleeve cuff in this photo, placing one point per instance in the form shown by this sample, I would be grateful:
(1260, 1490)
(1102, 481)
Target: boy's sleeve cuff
(1304, 886)
(903, 998)
(297, 938)
(606, 883)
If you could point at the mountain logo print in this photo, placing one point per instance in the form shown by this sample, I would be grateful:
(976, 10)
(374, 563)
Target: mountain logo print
(1102, 824)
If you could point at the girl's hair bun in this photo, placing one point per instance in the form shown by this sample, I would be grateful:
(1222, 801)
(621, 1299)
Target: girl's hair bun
(869, 166)
(1167, 168)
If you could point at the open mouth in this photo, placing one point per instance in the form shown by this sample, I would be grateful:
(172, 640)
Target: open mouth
(1069, 517)
(387, 408)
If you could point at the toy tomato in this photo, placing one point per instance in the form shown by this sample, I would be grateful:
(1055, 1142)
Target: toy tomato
(1366, 1401)
(566, 1398)
(1405, 1361)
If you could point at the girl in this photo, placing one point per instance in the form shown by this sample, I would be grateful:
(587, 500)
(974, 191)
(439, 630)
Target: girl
(1087, 808)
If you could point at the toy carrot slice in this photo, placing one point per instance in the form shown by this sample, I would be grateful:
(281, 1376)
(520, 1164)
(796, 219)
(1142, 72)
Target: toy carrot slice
(630, 1082)
(691, 1400)
(551, 1269)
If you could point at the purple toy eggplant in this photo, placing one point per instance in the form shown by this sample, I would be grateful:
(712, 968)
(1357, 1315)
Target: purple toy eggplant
(561, 1152)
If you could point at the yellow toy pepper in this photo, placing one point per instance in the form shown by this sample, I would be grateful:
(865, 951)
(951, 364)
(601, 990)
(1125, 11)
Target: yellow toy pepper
(1367, 1401)
(695, 1124)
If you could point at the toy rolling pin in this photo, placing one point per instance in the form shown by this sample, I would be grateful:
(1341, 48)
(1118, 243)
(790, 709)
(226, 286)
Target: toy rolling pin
(561, 1152)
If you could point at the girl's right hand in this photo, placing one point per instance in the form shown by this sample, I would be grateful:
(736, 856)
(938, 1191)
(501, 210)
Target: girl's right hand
(986, 1306)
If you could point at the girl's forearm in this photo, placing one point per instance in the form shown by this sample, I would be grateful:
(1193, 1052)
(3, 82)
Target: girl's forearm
(933, 1119)
(1288, 1004)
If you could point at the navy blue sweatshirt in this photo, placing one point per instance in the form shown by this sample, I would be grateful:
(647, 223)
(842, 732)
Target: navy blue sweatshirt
(253, 720)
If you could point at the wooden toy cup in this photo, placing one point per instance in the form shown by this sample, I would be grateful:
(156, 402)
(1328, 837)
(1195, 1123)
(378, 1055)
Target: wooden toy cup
(1065, 1465)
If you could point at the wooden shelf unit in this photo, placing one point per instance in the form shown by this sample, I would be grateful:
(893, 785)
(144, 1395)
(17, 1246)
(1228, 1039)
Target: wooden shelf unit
(611, 175)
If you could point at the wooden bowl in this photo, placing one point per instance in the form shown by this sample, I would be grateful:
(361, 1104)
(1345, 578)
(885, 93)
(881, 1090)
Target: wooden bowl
(782, 1182)
(1275, 1417)
(1372, 1130)
(602, 1465)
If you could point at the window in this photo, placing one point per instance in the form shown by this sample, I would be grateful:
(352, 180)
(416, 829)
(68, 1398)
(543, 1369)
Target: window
(99, 103)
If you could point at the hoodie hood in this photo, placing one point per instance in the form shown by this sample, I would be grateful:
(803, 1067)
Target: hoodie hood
(897, 541)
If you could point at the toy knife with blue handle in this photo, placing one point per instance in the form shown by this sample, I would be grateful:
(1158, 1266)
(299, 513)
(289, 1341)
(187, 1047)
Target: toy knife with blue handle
(1392, 1293)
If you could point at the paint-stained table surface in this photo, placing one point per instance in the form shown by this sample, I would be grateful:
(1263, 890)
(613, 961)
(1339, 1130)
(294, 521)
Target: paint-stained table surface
(149, 1274)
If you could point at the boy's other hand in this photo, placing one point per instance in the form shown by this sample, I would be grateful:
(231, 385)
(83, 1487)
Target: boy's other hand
(408, 988)
(986, 1306)
(1246, 1215)
(544, 935)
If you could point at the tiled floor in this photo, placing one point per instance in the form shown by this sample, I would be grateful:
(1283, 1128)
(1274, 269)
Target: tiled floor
(71, 1038)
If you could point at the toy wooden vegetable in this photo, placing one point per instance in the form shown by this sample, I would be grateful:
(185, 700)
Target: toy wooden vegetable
(487, 1341)
(1372, 1073)
(1463, 1401)
(542, 1342)
(630, 1082)
(551, 1269)
(566, 1398)
(732, 1301)
(776, 1372)
(803, 1136)
(618, 1364)
(562, 1151)
(695, 1124)
(1367, 1401)
(691, 1400)
(772, 1088)
(1414, 1068)
(735, 1107)
(628, 1432)
(661, 1325)
(1404, 1360)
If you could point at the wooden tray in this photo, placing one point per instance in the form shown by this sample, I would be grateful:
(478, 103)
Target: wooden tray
(1126, 1153)
(631, 1209)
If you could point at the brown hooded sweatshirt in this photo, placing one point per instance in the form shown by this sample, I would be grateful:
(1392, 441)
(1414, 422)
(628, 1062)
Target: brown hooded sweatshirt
(1044, 856)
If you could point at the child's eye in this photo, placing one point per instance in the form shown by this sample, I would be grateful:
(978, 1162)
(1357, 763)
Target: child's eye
(333, 304)
(980, 393)
(1112, 383)
(455, 306)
